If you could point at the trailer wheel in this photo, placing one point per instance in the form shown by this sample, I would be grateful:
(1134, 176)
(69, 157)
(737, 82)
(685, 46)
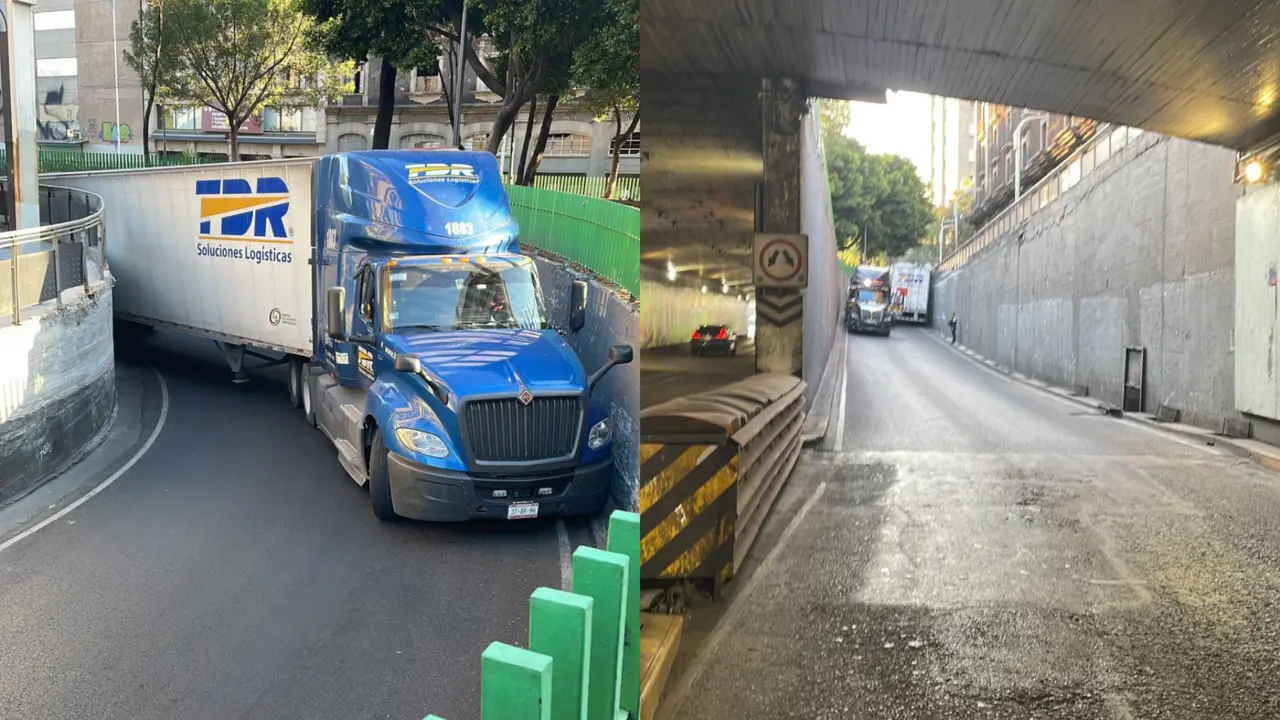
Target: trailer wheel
(295, 382)
(379, 483)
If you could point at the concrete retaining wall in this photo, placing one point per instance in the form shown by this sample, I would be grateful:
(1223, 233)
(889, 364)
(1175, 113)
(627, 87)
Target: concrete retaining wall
(57, 388)
(610, 321)
(671, 313)
(1140, 253)
(824, 297)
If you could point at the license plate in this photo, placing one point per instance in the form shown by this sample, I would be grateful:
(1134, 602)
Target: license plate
(520, 511)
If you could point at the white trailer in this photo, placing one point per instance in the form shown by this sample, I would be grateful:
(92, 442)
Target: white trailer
(220, 251)
(910, 282)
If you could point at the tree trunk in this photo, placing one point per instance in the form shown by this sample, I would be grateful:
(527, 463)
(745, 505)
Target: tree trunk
(386, 105)
(146, 130)
(543, 133)
(618, 139)
(528, 135)
(235, 142)
(501, 124)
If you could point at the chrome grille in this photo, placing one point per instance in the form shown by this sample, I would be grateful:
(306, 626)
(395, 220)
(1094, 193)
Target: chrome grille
(871, 316)
(506, 430)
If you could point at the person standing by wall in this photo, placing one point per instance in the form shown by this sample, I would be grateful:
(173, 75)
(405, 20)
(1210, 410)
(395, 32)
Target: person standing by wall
(952, 324)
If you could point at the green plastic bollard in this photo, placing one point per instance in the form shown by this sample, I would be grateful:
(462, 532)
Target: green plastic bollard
(560, 628)
(624, 539)
(603, 576)
(515, 684)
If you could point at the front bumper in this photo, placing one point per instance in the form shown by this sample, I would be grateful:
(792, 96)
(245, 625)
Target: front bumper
(857, 324)
(419, 492)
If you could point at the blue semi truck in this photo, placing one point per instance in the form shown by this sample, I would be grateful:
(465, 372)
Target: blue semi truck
(392, 286)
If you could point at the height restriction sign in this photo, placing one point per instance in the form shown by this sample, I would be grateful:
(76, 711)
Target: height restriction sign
(781, 260)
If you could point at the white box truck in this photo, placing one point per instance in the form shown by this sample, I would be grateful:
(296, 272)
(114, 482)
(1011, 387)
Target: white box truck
(910, 282)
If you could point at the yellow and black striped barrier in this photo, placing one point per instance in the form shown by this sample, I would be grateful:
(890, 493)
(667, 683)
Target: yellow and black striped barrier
(697, 455)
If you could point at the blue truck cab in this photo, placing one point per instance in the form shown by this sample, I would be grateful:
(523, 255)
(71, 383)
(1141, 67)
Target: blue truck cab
(436, 372)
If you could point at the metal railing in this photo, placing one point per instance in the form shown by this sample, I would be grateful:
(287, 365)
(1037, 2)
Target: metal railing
(68, 249)
(711, 466)
(583, 656)
(1108, 141)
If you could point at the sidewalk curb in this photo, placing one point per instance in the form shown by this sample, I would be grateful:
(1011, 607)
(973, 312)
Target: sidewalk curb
(1266, 455)
(818, 418)
(659, 641)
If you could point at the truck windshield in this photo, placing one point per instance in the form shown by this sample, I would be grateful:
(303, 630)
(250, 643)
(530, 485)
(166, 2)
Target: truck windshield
(458, 296)
(869, 296)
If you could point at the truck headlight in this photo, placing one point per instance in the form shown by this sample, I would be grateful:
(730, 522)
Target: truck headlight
(600, 435)
(423, 442)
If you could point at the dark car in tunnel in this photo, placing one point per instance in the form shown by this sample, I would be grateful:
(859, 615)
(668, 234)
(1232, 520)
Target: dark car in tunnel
(714, 340)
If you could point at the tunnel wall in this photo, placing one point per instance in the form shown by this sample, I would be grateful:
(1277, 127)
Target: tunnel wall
(611, 320)
(1140, 253)
(823, 298)
(671, 313)
(57, 388)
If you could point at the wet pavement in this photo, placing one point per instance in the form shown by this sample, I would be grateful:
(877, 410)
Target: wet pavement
(975, 548)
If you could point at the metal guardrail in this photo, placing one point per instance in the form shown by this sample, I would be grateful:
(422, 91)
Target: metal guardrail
(583, 659)
(711, 466)
(68, 249)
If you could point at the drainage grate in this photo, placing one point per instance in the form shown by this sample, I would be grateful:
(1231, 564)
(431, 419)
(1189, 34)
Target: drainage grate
(1167, 414)
(1237, 428)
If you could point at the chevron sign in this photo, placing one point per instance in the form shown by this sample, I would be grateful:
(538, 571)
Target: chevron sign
(779, 307)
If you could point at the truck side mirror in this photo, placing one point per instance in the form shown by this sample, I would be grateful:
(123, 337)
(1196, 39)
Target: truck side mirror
(336, 320)
(618, 355)
(408, 364)
(578, 305)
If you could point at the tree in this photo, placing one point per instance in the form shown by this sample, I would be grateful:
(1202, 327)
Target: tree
(835, 116)
(608, 66)
(150, 54)
(240, 56)
(879, 198)
(351, 29)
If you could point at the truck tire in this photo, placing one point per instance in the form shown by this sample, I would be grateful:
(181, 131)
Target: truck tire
(379, 483)
(308, 403)
(295, 381)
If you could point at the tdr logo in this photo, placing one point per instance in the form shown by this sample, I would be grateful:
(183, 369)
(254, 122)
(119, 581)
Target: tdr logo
(243, 212)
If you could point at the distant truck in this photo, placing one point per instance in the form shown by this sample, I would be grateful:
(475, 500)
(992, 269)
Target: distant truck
(910, 283)
(867, 308)
(415, 334)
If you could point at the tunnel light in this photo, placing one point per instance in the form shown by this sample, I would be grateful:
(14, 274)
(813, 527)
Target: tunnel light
(1253, 171)
(724, 288)
(704, 289)
(671, 271)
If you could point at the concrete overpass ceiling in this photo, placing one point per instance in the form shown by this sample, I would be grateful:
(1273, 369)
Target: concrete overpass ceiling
(1205, 70)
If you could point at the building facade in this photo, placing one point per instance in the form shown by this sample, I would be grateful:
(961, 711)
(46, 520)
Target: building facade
(952, 148)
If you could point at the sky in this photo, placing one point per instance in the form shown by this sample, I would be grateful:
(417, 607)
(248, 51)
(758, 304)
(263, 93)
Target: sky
(899, 126)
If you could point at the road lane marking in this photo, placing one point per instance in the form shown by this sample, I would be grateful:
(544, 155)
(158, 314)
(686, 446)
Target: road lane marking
(844, 402)
(726, 624)
(566, 555)
(155, 433)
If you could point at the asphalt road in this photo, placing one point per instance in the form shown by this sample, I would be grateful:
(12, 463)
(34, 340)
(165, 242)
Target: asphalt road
(670, 372)
(979, 549)
(235, 571)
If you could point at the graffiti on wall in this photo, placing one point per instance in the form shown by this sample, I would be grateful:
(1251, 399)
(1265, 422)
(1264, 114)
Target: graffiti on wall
(105, 131)
(56, 118)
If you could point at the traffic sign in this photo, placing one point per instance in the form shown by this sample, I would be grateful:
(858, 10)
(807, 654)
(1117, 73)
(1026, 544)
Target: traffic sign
(781, 260)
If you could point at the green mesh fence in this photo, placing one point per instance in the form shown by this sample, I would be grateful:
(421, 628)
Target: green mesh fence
(627, 187)
(600, 235)
(74, 161)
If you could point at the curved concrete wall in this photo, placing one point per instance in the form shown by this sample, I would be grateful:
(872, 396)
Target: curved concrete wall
(57, 387)
(610, 321)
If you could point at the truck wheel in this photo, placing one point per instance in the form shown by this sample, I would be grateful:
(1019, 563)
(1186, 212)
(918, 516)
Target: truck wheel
(308, 404)
(379, 483)
(295, 381)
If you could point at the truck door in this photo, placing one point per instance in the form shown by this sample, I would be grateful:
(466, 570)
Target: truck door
(364, 322)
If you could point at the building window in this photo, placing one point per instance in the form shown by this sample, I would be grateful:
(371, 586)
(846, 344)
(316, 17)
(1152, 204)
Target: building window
(415, 141)
(56, 67)
(629, 147)
(178, 118)
(568, 144)
(55, 20)
(479, 141)
(352, 142)
(1026, 148)
(278, 120)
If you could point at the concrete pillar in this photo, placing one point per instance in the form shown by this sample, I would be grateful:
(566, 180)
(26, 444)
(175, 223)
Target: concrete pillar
(20, 112)
(780, 348)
